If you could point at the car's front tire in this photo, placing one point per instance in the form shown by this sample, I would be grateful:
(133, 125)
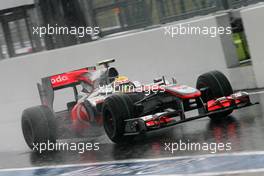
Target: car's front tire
(39, 126)
(116, 109)
(217, 85)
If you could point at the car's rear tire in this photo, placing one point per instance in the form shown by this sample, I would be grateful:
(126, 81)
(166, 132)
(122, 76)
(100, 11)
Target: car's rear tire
(217, 86)
(116, 109)
(39, 126)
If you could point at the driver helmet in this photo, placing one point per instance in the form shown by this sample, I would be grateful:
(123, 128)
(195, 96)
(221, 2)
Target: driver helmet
(123, 84)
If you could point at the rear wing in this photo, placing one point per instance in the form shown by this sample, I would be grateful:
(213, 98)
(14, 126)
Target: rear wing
(60, 81)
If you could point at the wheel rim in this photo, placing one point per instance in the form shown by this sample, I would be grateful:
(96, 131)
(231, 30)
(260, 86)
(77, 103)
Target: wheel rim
(209, 94)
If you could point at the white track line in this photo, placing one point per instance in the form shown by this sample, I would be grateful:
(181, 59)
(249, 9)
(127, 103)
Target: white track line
(208, 173)
(242, 171)
(136, 161)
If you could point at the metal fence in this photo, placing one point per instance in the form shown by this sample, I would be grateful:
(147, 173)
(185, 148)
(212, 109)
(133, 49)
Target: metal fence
(240, 3)
(173, 10)
(120, 16)
(126, 15)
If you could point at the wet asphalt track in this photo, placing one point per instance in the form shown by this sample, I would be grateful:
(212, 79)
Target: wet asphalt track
(244, 130)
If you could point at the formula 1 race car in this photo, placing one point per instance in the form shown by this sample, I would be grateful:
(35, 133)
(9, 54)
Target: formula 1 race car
(125, 108)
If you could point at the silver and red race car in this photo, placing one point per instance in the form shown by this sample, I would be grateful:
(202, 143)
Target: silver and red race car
(124, 108)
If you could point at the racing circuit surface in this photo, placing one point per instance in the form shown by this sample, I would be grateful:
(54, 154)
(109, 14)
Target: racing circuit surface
(244, 130)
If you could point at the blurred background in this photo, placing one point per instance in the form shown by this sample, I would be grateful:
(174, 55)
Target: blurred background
(112, 16)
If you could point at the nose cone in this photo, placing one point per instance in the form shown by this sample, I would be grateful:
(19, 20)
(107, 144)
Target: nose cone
(183, 91)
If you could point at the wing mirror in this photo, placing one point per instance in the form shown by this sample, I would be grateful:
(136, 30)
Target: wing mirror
(160, 81)
(174, 81)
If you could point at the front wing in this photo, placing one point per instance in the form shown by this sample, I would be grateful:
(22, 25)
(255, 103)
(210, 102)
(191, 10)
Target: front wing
(171, 117)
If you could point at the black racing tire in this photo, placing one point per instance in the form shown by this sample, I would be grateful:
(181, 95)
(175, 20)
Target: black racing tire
(39, 126)
(116, 109)
(218, 86)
